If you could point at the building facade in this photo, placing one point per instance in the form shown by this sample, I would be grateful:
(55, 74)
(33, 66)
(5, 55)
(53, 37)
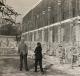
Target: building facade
(50, 11)
(54, 23)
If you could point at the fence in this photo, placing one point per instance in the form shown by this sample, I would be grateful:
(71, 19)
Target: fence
(8, 45)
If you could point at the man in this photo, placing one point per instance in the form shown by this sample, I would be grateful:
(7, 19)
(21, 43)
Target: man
(38, 57)
(23, 52)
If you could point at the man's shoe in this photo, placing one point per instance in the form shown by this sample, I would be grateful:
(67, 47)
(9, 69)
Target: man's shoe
(35, 71)
(20, 69)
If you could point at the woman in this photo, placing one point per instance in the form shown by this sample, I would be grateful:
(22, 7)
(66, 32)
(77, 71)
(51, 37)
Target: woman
(38, 57)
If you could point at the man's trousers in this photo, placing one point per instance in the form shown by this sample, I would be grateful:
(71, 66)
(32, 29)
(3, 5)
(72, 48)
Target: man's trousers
(23, 58)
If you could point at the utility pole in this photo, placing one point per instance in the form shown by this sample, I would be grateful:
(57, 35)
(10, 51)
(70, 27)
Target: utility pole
(59, 12)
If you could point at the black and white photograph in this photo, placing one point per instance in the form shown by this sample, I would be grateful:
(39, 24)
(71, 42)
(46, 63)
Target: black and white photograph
(39, 37)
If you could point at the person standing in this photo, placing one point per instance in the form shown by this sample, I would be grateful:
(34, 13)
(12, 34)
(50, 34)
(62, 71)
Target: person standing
(23, 52)
(38, 57)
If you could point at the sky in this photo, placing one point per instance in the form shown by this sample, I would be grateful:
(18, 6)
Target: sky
(22, 6)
